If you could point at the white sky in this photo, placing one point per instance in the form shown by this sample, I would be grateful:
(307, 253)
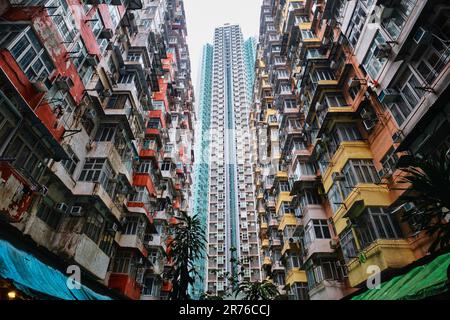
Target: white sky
(202, 16)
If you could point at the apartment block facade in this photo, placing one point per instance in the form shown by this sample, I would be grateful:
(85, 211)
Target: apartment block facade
(343, 91)
(96, 155)
(229, 201)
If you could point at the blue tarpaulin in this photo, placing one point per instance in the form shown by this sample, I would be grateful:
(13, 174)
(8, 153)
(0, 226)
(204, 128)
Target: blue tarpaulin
(27, 272)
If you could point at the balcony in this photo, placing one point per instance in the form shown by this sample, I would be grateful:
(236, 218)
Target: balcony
(274, 242)
(84, 252)
(347, 150)
(126, 285)
(288, 220)
(14, 203)
(277, 266)
(296, 275)
(133, 241)
(386, 254)
(121, 163)
(96, 190)
(362, 196)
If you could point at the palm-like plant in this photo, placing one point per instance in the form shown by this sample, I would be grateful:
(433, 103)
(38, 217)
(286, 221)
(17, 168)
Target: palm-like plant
(187, 246)
(429, 190)
(265, 290)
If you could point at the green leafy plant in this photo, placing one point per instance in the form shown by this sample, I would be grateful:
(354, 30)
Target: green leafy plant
(265, 290)
(188, 246)
(428, 181)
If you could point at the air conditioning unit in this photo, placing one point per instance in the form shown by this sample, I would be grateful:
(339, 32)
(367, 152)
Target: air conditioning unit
(92, 60)
(369, 124)
(61, 207)
(64, 84)
(320, 107)
(382, 51)
(382, 12)
(91, 113)
(385, 173)
(106, 33)
(44, 191)
(397, 137)
(110, 46)
(353, 83)
(422, 36)
(338, 176)
(389, 95)
(90, 145)
(365, 114)
(113, 227)
(76, 211)
(334, 243)
(39, 86)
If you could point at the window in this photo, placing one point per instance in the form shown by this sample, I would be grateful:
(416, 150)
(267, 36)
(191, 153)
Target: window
(321, 74)
(343, 132)
(107, 243)
(371, 63)
(145, 167)
(152, 287)
(97, 26)
(70, 164)
(307, 34)
(6, 126)
(134, 226)
(358, 20)
(309, 197)
(396, 21)
(356, 172)
(26, 152)
(124, 264)
(283, 186)
(27, 50)
(154, 123)
(106, 132)
(437, 55)
(127, 78)
(62, 17)
(80, 60)
(316, 229)
(141, 196)
(390, 160)
(94, 226)
(166, 166)
(47, 214)
(299, 291)
(98, 170)
(353, 91)
(335, 197)
(114, 14)
(375, 224)
(333, 101)
(290, 104)
(324, 269)
(410, 95)
(348, 245)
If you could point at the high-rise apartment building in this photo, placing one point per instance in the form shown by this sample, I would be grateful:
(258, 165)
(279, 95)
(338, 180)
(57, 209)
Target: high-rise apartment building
(227, 175)
(344, 90)
(96, 134)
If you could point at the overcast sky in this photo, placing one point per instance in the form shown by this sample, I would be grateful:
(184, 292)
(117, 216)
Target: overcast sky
(204, 15)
